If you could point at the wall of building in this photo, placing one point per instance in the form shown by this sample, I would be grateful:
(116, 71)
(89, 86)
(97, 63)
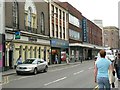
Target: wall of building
(111, 36)
(94, 34)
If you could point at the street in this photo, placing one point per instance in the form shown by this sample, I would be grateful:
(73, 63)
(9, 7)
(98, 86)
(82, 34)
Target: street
(68, 76)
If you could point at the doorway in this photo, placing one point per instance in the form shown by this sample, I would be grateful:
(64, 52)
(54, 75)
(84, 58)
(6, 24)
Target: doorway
(10, 58)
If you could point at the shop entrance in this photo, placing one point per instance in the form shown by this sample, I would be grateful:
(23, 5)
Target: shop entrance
(55, 56)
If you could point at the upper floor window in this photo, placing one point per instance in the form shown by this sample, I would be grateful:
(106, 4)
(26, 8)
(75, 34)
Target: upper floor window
(75, 35)
(60, 14)
(15, 14)
(29, 18)
(64, 16)
(56, 12)
(42, 23)
(75, 21)
(52, 10)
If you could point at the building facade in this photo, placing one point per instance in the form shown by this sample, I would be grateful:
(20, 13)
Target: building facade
(99, 23)
(75, 32)
(27, 33)
(94, 38)
(111, 37)
(58, 32)
(83, 40)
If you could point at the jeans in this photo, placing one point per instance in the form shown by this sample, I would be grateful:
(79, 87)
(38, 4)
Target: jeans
(118, 72)
(103, 83)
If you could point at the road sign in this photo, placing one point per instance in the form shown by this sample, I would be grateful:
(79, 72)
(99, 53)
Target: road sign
(17, 35)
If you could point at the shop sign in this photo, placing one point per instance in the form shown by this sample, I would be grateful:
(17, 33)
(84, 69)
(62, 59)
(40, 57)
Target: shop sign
(85, 32)
(32, 39)
(17, 35)
(59, 43)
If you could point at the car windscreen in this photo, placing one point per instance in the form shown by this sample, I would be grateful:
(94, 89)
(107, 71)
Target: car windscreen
(29, 61)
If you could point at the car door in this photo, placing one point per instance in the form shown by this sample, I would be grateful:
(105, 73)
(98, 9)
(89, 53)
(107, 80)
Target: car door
(39, 65)
(42, 64)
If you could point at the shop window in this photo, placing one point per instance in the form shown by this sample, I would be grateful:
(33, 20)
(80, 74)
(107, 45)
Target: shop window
(26, 50)
(39, 52)
(44, 53)
(20, 50)
(35, 52)
(31, 50)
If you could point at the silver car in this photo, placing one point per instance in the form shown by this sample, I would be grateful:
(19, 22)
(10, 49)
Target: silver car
(32, 65)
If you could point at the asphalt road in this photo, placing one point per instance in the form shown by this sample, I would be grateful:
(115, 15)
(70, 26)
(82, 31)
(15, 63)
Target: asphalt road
(69, 76)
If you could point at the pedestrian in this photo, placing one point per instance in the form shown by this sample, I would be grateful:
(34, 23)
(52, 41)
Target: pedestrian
(117, 66)
(111, 73)
(19, 60)
(67, 58)
(101, 76)
(56, 59)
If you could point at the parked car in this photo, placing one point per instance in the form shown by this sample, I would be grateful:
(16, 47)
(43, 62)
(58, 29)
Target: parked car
(110, 55)
(32, 65)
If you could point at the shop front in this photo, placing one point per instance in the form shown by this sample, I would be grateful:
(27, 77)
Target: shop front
(26, 50)
(59, 51)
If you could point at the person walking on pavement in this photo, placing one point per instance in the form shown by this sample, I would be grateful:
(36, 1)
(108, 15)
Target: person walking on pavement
(117, 66)
(101, 71)
(19, 60)
(56, 59)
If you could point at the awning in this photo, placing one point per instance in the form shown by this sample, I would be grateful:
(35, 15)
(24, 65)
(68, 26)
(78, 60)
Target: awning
(87, 45)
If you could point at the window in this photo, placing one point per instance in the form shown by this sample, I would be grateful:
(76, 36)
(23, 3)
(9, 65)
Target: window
(75, 35)
(60, 14)
(39, 52)
(44, 53)
(52, 10)
(56, 30)
(31, 50)
(26, 50)
(63, 16)
(42, 23)
(60, 32)
(35, 52)
(29, 19)
(75, 21)
(64, 33)
(20, 50)
(56, 12)
(25, 23)
(15, 14)
(53, 29)
(33, 22)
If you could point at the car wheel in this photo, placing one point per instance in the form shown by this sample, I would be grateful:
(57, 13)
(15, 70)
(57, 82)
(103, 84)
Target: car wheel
(46, 69)
(35, 71)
